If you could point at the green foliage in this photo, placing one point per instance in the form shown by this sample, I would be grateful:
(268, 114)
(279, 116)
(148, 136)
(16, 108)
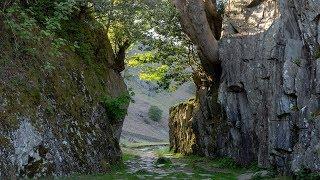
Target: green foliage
(127, 157)
(77, 33)
(123, 19)
(227, 163)
(255, 167)
(116, 107)
(154, 24)
(39, 19)
(34, 22)
(155, 113)
(22, 27)
(139, 58)
(163, 151)
(155, 73)
(167, 55)
(317, 55)
(174, 57)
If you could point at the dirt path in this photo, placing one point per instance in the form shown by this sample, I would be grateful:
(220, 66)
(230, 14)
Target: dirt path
(147, 162)
(146, 166)
(143, 162)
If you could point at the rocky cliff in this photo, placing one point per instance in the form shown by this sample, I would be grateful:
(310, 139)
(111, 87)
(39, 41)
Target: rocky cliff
(267, 106)
(52, 118)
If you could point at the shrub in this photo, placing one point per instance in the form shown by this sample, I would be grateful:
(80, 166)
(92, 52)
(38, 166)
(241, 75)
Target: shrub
(116, 107)
(155, 113)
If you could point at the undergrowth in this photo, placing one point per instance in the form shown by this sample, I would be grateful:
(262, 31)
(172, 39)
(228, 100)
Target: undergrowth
(33, 22)
(116, 107)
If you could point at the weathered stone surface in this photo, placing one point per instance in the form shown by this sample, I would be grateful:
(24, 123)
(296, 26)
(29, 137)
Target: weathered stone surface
(269, 89)
(182, 138)
(52, 121)
(248, 18)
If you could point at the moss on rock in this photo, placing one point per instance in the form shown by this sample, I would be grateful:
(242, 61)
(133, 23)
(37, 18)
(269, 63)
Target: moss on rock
(60, 97)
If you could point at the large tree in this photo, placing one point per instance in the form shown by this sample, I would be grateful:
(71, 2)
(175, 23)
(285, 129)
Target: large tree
(201, 20)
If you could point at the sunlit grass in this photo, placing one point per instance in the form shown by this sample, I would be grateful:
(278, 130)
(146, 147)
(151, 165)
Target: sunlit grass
(128, 156)
(163, 151)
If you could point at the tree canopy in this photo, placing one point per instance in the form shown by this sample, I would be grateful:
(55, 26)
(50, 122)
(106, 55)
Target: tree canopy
(151, 28)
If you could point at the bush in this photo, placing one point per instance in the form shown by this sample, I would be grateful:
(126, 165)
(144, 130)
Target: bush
(116, 107)
(155, 113)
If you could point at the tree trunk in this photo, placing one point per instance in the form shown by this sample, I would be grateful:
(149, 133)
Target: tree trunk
(199, 20)
(120, 57)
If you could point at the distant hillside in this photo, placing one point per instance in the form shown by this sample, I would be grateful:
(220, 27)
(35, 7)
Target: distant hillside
(137, 125)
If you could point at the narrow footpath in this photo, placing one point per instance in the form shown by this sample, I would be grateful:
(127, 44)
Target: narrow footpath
(157, 162)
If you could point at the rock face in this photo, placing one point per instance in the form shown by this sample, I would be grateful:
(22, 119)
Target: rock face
(52, 119)
(182, 137)
(269, 90)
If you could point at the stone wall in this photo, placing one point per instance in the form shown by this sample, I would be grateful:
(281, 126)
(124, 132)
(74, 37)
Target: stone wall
(269, 89)
(52, 121)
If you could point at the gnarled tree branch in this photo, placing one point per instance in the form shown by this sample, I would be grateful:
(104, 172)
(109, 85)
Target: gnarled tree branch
(198, 18)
